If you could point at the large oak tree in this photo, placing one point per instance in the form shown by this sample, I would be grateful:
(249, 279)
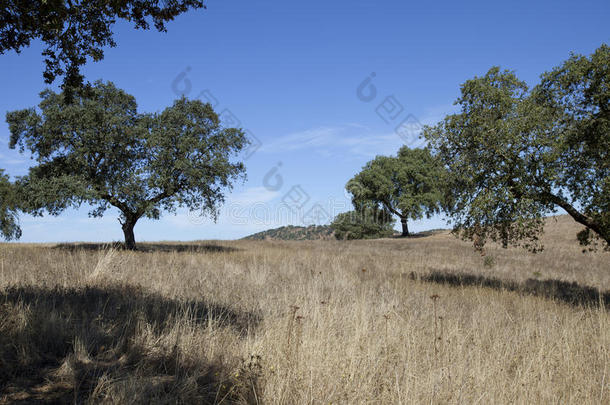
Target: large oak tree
(516, 155)
(100, 150)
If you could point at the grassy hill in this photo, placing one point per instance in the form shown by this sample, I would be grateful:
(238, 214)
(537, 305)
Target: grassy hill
(291, 232)
(397, 320)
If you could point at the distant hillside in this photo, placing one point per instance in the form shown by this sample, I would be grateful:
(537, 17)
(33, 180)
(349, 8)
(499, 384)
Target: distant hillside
(291, 232)
(558, 229)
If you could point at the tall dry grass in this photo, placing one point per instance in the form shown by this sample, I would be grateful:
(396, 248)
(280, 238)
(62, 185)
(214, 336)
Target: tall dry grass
(387, 321)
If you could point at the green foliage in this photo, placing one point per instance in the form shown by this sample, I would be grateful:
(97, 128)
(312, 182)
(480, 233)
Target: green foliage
(98, 149)
(408, 185)
(9, 222)
(516, 155)
(76, 30)
(366, 222)
(292, 232)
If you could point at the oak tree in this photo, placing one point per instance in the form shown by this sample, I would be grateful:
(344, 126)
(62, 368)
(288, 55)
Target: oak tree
(98, 149)
(408, 185)
(516, 155)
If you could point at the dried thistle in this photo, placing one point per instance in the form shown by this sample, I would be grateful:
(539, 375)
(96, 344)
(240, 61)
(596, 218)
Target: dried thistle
(434, 298)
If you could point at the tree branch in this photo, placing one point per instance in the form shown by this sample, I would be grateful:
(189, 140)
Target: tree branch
(115, 202)
(154, 200)
(392, 210)
(574, 213)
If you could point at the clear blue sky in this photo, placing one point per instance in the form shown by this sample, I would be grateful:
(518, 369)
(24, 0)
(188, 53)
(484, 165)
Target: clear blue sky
(289, 71)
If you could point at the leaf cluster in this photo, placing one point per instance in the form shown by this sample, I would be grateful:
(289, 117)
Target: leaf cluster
(9, 221)
(408, 185)
(514, 154)
(100, 150)
(365, 222)
(75, 30)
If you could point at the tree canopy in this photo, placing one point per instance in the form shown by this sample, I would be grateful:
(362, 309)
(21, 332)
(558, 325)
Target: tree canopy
(74, 30)
(9, 222)
(515, 155)
(100, 150)
(366, 221)
(408, 185)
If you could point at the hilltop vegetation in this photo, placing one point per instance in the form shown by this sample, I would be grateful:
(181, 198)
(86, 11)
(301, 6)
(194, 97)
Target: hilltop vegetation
(292, 232)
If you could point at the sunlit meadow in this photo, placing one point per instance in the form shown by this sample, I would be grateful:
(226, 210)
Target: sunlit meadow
(425, 319)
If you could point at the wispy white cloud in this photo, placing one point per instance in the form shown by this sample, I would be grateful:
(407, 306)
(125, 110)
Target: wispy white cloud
(311, 138)
(330, 141)
(352, 139)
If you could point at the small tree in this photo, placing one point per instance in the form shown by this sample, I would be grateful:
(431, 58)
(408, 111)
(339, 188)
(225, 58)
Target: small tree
(76, 30)
(516, 155)
(408, 185)
(99, 150)
(9, 222)
(365, 222)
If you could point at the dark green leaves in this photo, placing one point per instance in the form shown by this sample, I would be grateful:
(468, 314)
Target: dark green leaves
(408, 185)
(76, 30)
(9, 222)
(98, 149)
(515, 155)
(365, 222)
(189, 156)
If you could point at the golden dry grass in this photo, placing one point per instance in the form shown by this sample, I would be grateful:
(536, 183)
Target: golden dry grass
(306, 322)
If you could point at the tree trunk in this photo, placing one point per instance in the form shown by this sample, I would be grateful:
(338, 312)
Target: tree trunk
(130, 239)
(405, 227)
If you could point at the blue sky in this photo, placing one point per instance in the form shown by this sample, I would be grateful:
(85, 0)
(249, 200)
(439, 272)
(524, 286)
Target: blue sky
(289, 72)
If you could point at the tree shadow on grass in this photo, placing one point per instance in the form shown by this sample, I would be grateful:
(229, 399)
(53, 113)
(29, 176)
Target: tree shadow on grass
(85, 345)
(571, 293)
(422, 234)
(150, 247)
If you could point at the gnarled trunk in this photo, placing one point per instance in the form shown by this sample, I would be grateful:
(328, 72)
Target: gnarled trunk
(405, 227)
(130, 239)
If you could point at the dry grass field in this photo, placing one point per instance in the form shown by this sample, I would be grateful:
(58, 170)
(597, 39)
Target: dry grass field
(419, 320)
